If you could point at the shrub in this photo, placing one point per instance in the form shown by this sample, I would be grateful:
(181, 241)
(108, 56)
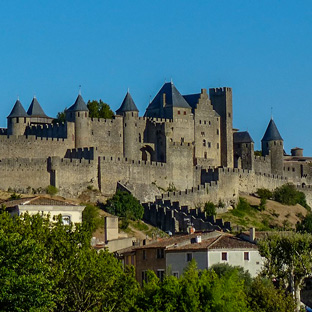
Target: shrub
(262, 204)
(15, 196)
(91, 218)
(264, 193)
(210, 209)
(51, 190)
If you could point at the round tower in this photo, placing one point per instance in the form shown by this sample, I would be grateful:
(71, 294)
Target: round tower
(18, 120)
(272, 145)
(79, 114)
(131, 138)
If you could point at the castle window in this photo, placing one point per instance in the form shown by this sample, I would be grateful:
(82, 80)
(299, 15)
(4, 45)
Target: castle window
(125, 125)
(140, 139)
(217, 145)
(204, 142)
(209, 144)
(229, 115)
(204, 122)
(24, 119)
(178, 112)
(86, 114)
(184, 113)
(78, 114)
(281, 143)
(108, 133)
(293, 169)
(136, 124)
(217, 131)
(209, 122)
(202, 133)
(92, 132)
(288, 169)
(17, 120)
(200, 122)
(274, 142)
(205, 155)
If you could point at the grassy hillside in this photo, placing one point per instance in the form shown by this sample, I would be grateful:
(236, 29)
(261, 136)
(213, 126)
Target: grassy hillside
(275, 215)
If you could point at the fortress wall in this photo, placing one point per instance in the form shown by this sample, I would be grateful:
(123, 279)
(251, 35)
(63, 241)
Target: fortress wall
(180, 129)
(20, 174)
(114, 169)
(107, 135)
(32, 147)
(307, 190)
(48, 130)
(72, 176)
(262, 164)
(180, 161)
(82, 153)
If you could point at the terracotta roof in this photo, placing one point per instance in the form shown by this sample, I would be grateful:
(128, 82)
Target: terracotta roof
(195, 246)
(38, 200)
(231, 242)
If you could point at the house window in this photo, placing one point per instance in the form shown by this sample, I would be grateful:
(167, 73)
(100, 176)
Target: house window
(246, 255)
(144, 276)
(224, 256)
(160, 253)
(144, 254)
(189, 257)
(132, 259)
(175, 274)
(161, 274)
(66, 220)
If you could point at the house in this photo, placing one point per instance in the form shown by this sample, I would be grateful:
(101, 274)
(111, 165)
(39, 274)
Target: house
(173, 254)
(70, 212)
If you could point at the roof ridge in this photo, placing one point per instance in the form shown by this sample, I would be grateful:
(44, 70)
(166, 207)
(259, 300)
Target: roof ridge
(215, 241)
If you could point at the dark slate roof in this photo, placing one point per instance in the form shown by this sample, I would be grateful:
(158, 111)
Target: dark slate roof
(35, 109)
(173, 97)
(271, 133)
(242, 137)
(18, 110)
(79, 105)
(127, 105)
(192, 99)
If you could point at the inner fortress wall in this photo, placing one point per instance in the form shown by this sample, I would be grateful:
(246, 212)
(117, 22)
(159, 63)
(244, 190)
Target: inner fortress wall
(33, 147)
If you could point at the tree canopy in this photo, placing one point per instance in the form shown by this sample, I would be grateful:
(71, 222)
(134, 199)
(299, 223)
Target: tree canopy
(99, 109)
(289, 259)
(46, 266)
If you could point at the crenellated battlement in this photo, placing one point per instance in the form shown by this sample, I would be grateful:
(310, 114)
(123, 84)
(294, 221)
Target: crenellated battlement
(47, 130)
(219, 91)
(124, 160)
(79, 153)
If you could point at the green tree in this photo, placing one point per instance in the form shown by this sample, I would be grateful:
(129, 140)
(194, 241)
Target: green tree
(289, 259)
(210, 209)
(305, 226)
(99, 109)
(60, 117)
(47, 266)
(124, 204)
(91, 218)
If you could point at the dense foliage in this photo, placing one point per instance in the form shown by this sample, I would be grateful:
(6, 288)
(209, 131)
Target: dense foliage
(91, 218)
(288, 259)
(47, 266)
(99, 109)
(305, 226)
(210, 209)
(125, 205)
(287, 194)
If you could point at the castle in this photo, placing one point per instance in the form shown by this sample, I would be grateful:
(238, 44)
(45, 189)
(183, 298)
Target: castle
(184, 146)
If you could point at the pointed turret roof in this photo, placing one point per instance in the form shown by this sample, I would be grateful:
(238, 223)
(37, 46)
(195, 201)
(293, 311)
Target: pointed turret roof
(35, 109)
(271, 133)
(242, 137)
(127, 105)
(173, 97)
(79, 105)
(18, 110)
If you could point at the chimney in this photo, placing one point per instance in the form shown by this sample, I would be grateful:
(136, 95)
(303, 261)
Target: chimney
(252, 234)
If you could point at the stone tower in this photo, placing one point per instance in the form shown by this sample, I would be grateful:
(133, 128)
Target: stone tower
(221, 100)
(130, 115)
(79, 114)
(17, 120)
(272, 145)
(243, 150)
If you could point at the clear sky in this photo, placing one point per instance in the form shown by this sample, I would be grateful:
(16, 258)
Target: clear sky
(262, 49)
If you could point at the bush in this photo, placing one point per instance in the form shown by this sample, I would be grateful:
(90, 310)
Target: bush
(264, 193)
(51, 190)
(288, 195)
(210, 209)
(91, 218)
(125, 205)
(15, 196)
(262, 204)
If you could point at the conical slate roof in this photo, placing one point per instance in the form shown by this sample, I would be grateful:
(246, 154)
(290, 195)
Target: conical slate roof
(242, 137)
(127, 105)
(271, 133)
(18, 110)
(79, 105)
(35, 109)
(173, 98)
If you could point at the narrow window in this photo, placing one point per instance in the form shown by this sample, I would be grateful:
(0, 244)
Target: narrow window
(161, 274)
(229, 115)
(217, 145)
(189, 257)
(246, 256)
(204, 142)
(24, 119)
(78, 114)
(175, 274)
(217, 131)
(209, 144)
(144, 277)
(205, 155)
(178, 112)
(224, 256)
(160, 253)
(17, 120)
(184, 113)
(144, 254)
(86, 114)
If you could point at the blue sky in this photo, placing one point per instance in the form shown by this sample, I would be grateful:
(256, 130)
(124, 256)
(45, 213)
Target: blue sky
(262, 49)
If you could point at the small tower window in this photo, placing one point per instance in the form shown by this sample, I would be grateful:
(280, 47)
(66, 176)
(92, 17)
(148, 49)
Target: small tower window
(217, 145)
(140, 139)
(209, 144)
(178, 112)
(24, 119)
(204, 142)
(17, 120)
(205, 155)
(217, 131)
(78, 114)
(184, 112)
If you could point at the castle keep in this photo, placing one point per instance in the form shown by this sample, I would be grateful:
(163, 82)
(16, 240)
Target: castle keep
(184, 147)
